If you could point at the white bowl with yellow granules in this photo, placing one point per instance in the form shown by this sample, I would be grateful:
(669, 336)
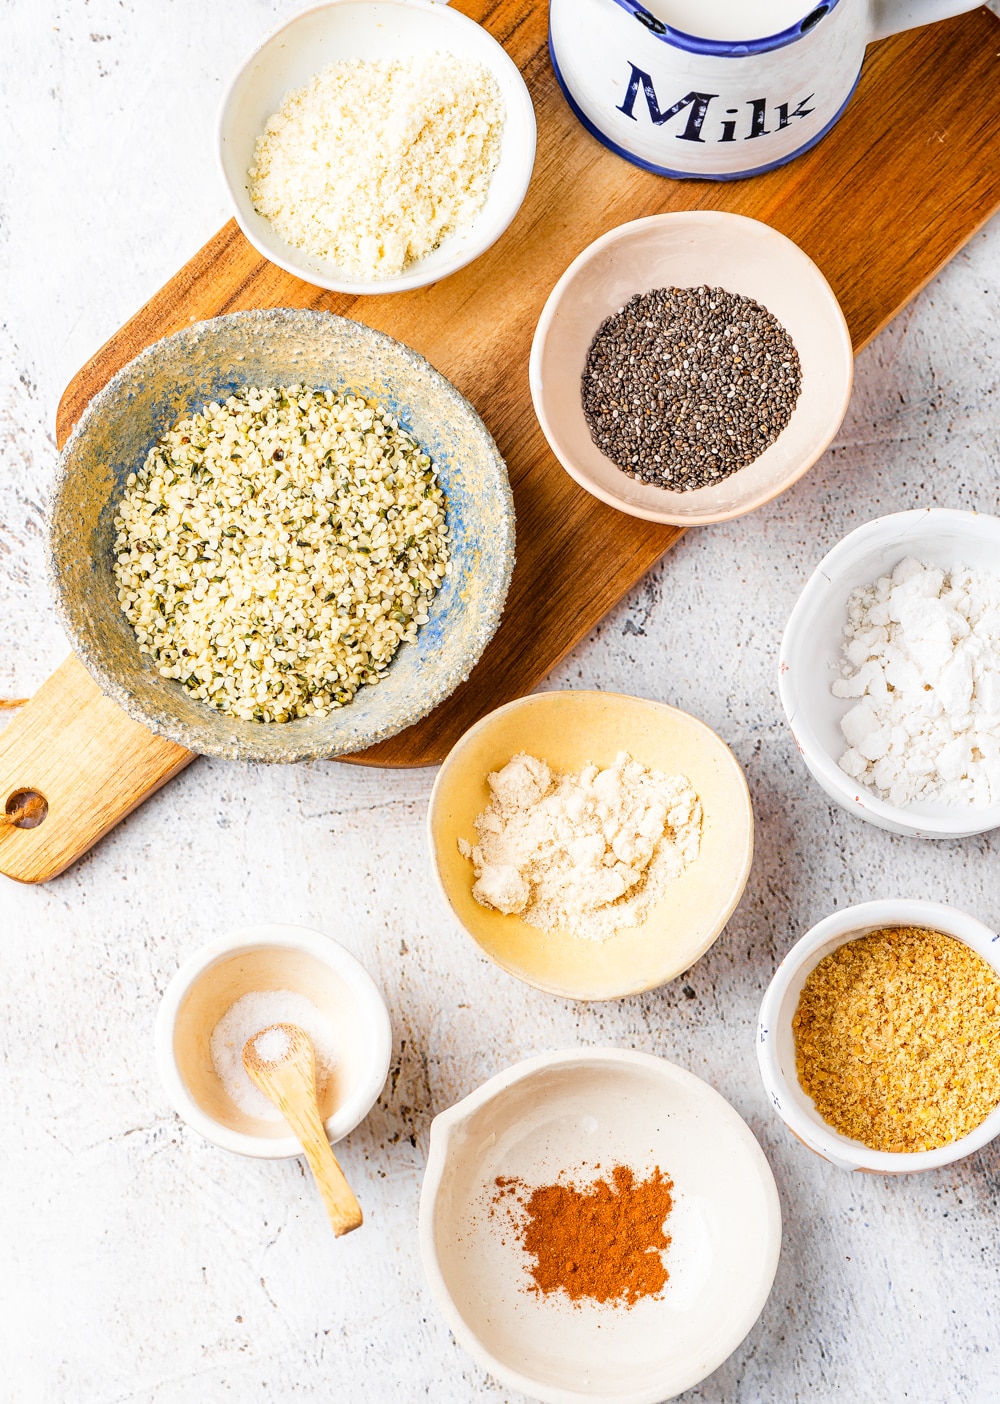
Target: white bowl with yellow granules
(374, 146)
(899, 1033)
(573, 732)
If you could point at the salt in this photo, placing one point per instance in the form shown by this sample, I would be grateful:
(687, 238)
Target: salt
(272, 1045)
(251, 1015)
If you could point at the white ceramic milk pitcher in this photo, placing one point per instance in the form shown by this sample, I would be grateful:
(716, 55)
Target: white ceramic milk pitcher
(719, 88)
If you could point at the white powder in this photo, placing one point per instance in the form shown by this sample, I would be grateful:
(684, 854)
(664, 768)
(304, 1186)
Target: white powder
(374, 162)
(248, 1016)
(591, 853)
(922, 651)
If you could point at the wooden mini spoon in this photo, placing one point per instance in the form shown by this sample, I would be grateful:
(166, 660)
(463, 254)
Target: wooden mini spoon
(290, 1082)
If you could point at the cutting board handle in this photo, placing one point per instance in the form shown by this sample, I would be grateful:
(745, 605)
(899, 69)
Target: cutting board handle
(72, 764)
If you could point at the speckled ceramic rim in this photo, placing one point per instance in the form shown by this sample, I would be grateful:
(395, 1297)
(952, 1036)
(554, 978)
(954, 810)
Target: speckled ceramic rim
(442, 1128)
(712, 934)
(293, 938)
(695, 219)
(857, 799)
(434, 688)
(789, 1100)
(487, 231)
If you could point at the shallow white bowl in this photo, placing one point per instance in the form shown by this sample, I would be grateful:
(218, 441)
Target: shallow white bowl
(569, 1111)
(372, 29)
(688, 249)
(776, 1043)
(270, 957)
(810, 658)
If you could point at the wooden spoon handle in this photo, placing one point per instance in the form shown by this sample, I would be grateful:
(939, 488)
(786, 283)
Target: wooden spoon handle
(342, 1207)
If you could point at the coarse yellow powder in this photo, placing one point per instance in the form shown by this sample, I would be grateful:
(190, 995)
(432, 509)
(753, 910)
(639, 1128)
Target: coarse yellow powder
(897, 1039)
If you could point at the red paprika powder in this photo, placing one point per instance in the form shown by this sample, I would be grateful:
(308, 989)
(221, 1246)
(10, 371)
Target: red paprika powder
(603, 1241)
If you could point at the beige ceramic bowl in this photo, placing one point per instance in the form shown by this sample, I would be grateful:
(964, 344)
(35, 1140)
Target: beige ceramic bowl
(264, 958)
(570, 730)
(686, 250)
(570, 1112)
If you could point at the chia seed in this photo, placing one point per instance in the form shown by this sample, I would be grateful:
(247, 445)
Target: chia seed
(685, 386)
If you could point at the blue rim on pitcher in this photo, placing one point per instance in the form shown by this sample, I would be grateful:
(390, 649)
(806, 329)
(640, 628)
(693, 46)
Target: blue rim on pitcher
(729, 48)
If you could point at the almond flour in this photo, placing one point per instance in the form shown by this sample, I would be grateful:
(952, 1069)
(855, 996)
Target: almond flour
(590, 853)
(374, 162)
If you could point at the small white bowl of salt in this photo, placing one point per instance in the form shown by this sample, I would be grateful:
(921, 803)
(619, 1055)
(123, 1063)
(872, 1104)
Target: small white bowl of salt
(890, 673)
(248, 981)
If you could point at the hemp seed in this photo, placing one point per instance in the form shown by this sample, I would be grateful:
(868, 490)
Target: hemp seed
(261, 553)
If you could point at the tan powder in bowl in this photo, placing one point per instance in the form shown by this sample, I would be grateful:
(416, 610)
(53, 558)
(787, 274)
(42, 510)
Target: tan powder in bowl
(897, 1039)
(590, 852)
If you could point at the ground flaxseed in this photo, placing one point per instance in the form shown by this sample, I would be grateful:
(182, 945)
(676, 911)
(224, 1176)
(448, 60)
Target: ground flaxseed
(684, 386)
(897, 1039)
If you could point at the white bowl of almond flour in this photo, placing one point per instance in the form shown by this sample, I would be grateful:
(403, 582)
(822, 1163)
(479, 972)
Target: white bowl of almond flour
(592, 844)
(889, 673)
(371, 146)
(245, 982)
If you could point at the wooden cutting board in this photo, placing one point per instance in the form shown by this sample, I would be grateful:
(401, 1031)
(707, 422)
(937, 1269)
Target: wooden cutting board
(905, 178)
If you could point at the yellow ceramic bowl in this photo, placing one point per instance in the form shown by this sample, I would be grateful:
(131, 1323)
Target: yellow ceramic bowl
(569, 730)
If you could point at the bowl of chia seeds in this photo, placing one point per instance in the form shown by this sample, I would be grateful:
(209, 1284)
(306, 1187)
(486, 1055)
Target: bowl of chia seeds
(689, 367)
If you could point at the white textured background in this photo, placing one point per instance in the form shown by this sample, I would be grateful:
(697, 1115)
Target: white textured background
(139, 1263)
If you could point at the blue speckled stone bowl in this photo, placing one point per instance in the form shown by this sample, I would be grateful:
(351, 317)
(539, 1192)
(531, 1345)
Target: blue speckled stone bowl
(280, 347)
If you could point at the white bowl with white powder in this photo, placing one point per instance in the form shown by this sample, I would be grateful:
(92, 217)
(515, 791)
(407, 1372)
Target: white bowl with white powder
(244, 982)
(920, 723)
(412, 33)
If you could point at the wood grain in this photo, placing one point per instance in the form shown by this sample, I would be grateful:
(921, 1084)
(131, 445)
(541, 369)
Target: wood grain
(91, 762)
(897, 187)
(906, 177)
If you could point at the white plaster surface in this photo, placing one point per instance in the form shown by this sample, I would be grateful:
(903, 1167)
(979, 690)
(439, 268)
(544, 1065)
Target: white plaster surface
(139, 1263)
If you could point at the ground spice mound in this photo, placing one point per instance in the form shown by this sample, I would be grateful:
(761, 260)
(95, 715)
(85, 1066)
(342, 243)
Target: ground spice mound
(603, 1241)
(897, 1039)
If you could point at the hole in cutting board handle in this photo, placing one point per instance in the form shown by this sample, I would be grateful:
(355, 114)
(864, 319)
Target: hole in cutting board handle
(26, 809)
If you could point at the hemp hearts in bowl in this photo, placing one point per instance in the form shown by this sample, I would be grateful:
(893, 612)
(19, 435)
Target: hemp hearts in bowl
(265, 541)
(274, 550)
